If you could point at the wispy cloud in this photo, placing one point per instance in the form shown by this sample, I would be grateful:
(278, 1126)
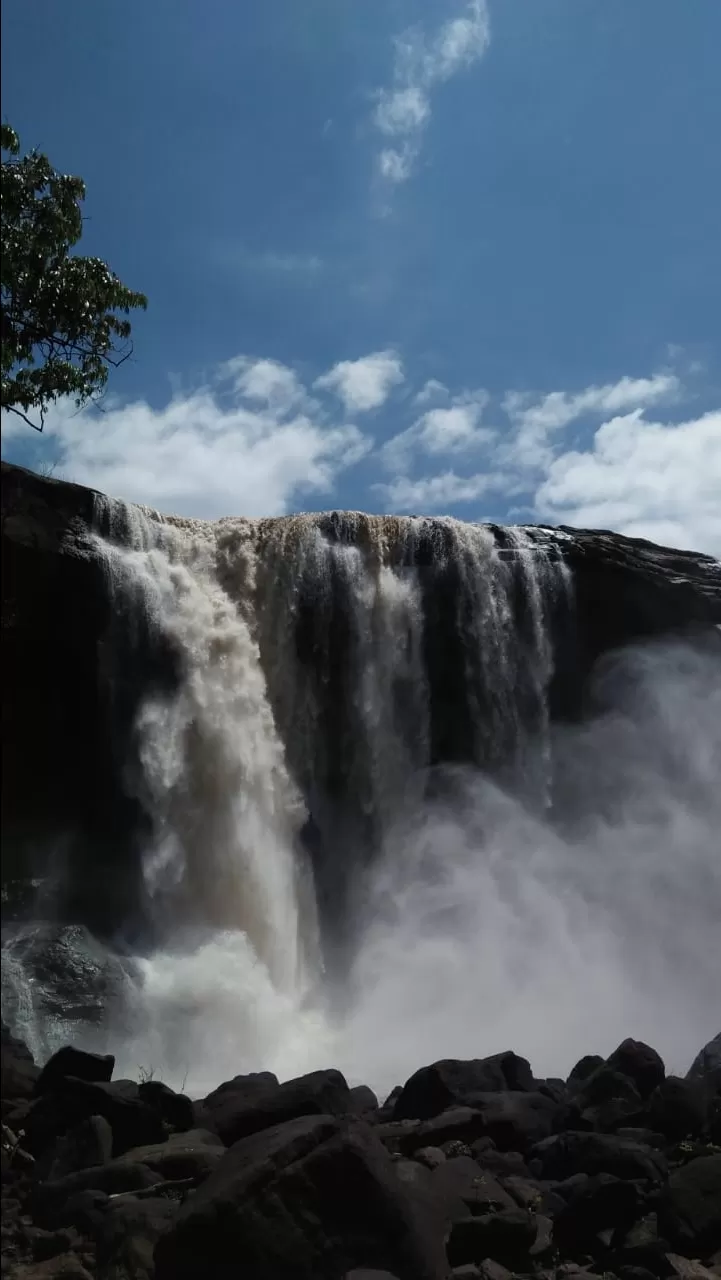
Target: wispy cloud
(420, 65)
(365, 383)
(284, 265)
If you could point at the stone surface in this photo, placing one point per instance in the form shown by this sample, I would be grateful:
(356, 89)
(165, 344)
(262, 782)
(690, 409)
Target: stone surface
(640, 1063)
(706, 1066)
(455, 1082)
(69, 1061)
(132, 1121)
(87, 1145)
(579, 1152)
(506, 1237)
(174, 1109)
(306, 1200)
(678, 1108)
(690, 1207)
(182, 1156)
(258, 1103)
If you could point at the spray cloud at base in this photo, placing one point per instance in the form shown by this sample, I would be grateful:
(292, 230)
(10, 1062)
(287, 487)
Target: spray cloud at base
(483, 877)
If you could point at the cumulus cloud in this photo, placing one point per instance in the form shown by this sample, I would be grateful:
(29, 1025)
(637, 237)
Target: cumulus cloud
(536, 420)
(434, 493)
(265, 381)
(647, 479)
(634, 473)
(250, 443)
(430, 390)
(365, 383)
(449, 430)
(403, 110)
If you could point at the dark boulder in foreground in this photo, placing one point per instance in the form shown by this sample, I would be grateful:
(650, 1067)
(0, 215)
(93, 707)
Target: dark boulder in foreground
(455, 1083)
(250, 1103)
(311, 1180)
(312, 1197)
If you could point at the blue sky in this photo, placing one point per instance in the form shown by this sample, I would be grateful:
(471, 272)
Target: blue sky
(419, 255)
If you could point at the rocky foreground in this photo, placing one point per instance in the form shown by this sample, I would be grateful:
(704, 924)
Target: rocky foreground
(471, 1169)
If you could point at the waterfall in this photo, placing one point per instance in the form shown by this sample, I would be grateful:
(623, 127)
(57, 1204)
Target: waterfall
(226, 815)
(346, 759)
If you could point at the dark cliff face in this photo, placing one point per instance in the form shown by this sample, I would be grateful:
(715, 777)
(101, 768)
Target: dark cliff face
(75, 671)
(68, 703)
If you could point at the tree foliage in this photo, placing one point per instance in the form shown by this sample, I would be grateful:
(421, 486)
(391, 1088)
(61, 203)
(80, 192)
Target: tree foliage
(62, 315)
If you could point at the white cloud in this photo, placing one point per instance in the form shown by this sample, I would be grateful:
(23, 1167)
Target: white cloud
(646, 479)
(430, 390)
(396, 165)
(403, 110)
(433, 493)
(452, 430)
(536, 420)
(366, 383)
(248, 444)
(265, 381)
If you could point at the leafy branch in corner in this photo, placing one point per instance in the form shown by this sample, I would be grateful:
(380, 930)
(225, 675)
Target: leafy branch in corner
(62, 316)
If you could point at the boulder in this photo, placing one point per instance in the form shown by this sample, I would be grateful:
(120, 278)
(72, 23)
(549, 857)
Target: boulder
(499, 1162)
(690, 1207)
(174, 1109)
(517, 1121)
(252, 1103)
(640, 1063)
(128, 1232)
(50, 1200)
(535, 1196)
(89, 1144)
(688, 1268)
(431, 1157)
(363, 1100)
(454, 1082)
(132, 1121)
(83, 1210)
(401, 1136)
(460, 1187)
(69, 1061)
(584, 1068)
(678, 1108)
(602, 1201)
(313, 1197)
(65, 1267)
(706, 1066)
(184, 1155)
(642, 1245)
(579, 1152)
(458, 1124)
(506, 1237)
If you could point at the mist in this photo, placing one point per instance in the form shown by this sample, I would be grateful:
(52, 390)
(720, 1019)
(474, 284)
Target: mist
(485, 926)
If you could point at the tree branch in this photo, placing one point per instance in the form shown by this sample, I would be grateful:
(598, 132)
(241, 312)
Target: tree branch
(10, 408)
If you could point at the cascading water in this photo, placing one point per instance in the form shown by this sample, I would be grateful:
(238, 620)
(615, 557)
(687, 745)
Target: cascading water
(348, 777)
